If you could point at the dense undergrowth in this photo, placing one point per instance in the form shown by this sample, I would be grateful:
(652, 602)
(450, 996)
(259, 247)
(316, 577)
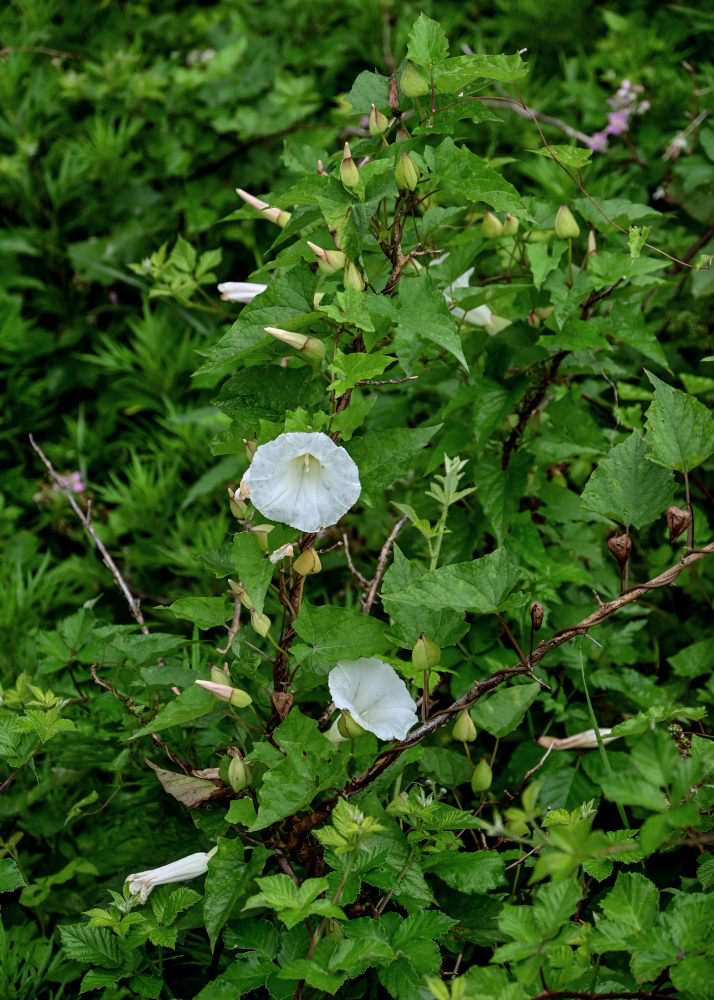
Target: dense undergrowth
(524, 390)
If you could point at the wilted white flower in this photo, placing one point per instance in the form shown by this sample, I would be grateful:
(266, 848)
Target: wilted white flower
(375, 696)
(304, 480)
(240, 291)
(281, 553)
(587, 740)
(178, 871)
(480, 315)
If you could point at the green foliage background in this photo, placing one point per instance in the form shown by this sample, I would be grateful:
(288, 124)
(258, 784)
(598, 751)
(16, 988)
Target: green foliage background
(126, 128)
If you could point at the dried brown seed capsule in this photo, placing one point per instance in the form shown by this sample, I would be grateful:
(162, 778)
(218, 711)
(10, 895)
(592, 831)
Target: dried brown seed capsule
(536, 612)
(621, 547)
(393, 94)
(678, 520)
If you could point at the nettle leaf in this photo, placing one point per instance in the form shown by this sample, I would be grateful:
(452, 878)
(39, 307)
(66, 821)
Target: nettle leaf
(310, 764)
(92, 944)
(287, 303)
(467, 176)
(633, 903)
(680, 429)
(501, 711)
(383, 456)
(424, 315)
(205, 612)
(428, 43)
(471, 872)
(570, 156)
(264, 393)
(253, 567)
(453, 74)
(10, 875)
(227, 879)
(627, 487)
(694, 660)
(483, 585)
(189, 705)
(336, 633)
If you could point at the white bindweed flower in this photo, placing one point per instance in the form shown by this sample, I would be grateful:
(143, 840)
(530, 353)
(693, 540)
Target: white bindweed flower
(480, 315)
(586, 740)
(375, 696)
(178, 871)
(240, 291)
(304, 480)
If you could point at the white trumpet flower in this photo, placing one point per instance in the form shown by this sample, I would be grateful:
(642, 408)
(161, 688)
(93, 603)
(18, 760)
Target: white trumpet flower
(375, 696)
(142, 883)
(240, 291)
(304, 480)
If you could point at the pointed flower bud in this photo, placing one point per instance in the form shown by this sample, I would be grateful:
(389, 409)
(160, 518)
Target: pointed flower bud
(426, 654)
(328, 261)
(239, 509)
(352, 277)
(566, 228)
(310, 346)
(510, 225)
(238, 773)
(239, 591)
(482, 776)
(234, 696)
(402, 135)
(250, 447)
(276, 215)
(678, 520)
(307, 563)
(261, 532)
(491, 226)
(348, 727)
(413, 83)
(393, 94)
(621, 547)
(378, 123)
(349, 174)
(406, 174)
(536, 613)
(260, 623)
(464, 730)
(592, 244)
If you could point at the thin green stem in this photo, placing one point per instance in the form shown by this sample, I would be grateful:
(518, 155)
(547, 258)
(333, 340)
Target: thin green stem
(601, 745)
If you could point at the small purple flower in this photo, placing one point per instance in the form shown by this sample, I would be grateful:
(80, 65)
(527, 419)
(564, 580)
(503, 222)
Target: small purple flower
(598, 141)
(71, 481)
(617, 122)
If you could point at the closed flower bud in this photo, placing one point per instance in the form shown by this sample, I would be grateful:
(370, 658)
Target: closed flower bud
(261, 532)
(328, 261)
(566, 228)
(402, 134)
(510, 225)
(310, 346)
(238, 773)
(378, 123)
(349, 174)
(464, 730)
(260, 623)
(317, 299)
(307, 563)
(426, 654)
(234, 696)
(276, 215)
(536, 613)
(592, 245)
(239, 591)
(413, 83)
(250, 447)
(491, 227)
(621, 547)
(348, 727)
(482, 776)
(406, 174)
(352, 277)
(393, 94)
(239, 508)
(678, 520)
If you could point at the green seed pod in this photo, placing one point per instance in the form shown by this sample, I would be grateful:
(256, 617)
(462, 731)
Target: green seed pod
(413, 83)
(261, 623)
(261, 532)
(307, 563)
(426, 654)
(348, 727)
(402, 134)
(378, 123)
(566, 228)
(510, 225)
(349, 173)
(406, 174)
(352, 278)
(238, 773)
(328, 261)
(491, 227)
(464, 730)
(482, 776)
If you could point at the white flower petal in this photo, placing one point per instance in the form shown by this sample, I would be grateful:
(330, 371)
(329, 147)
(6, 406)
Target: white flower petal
(304, 480)
(240, 291)
(375, 696)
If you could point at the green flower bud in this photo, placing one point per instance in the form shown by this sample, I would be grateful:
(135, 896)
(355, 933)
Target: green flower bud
(491, 227)
(276, 215)
(378, 123)
(349, 174)
(239, 508)
(307, 563)
(406, 174)
(238, 773)
(464, 730)
(426, 654)
(348, 727)
(328, 261)
(311, 346)
(566, 228)
(261, 532)
(592, 244)
(510, 225)
(352, 277)
(402, 134)
(517, 828)
(482, 776)
(250, 447)
(260, 623)
(413, 83)
(234, 696)
(239, 591)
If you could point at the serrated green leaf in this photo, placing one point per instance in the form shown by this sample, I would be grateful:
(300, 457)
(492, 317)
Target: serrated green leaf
(336, 633)
(91, 944)
(570, 156)
(252, 566)
(483, 585)
(425, 315)
(468, 176)
(383, 456)
(206, 612)
(227, 880)
(189, 705)
(633, 902)
(680, 429)
(10, 875)
(453, 74)
(97, 979)
(501, 711)
(627, 487)
(471, 872)
(427, 42)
